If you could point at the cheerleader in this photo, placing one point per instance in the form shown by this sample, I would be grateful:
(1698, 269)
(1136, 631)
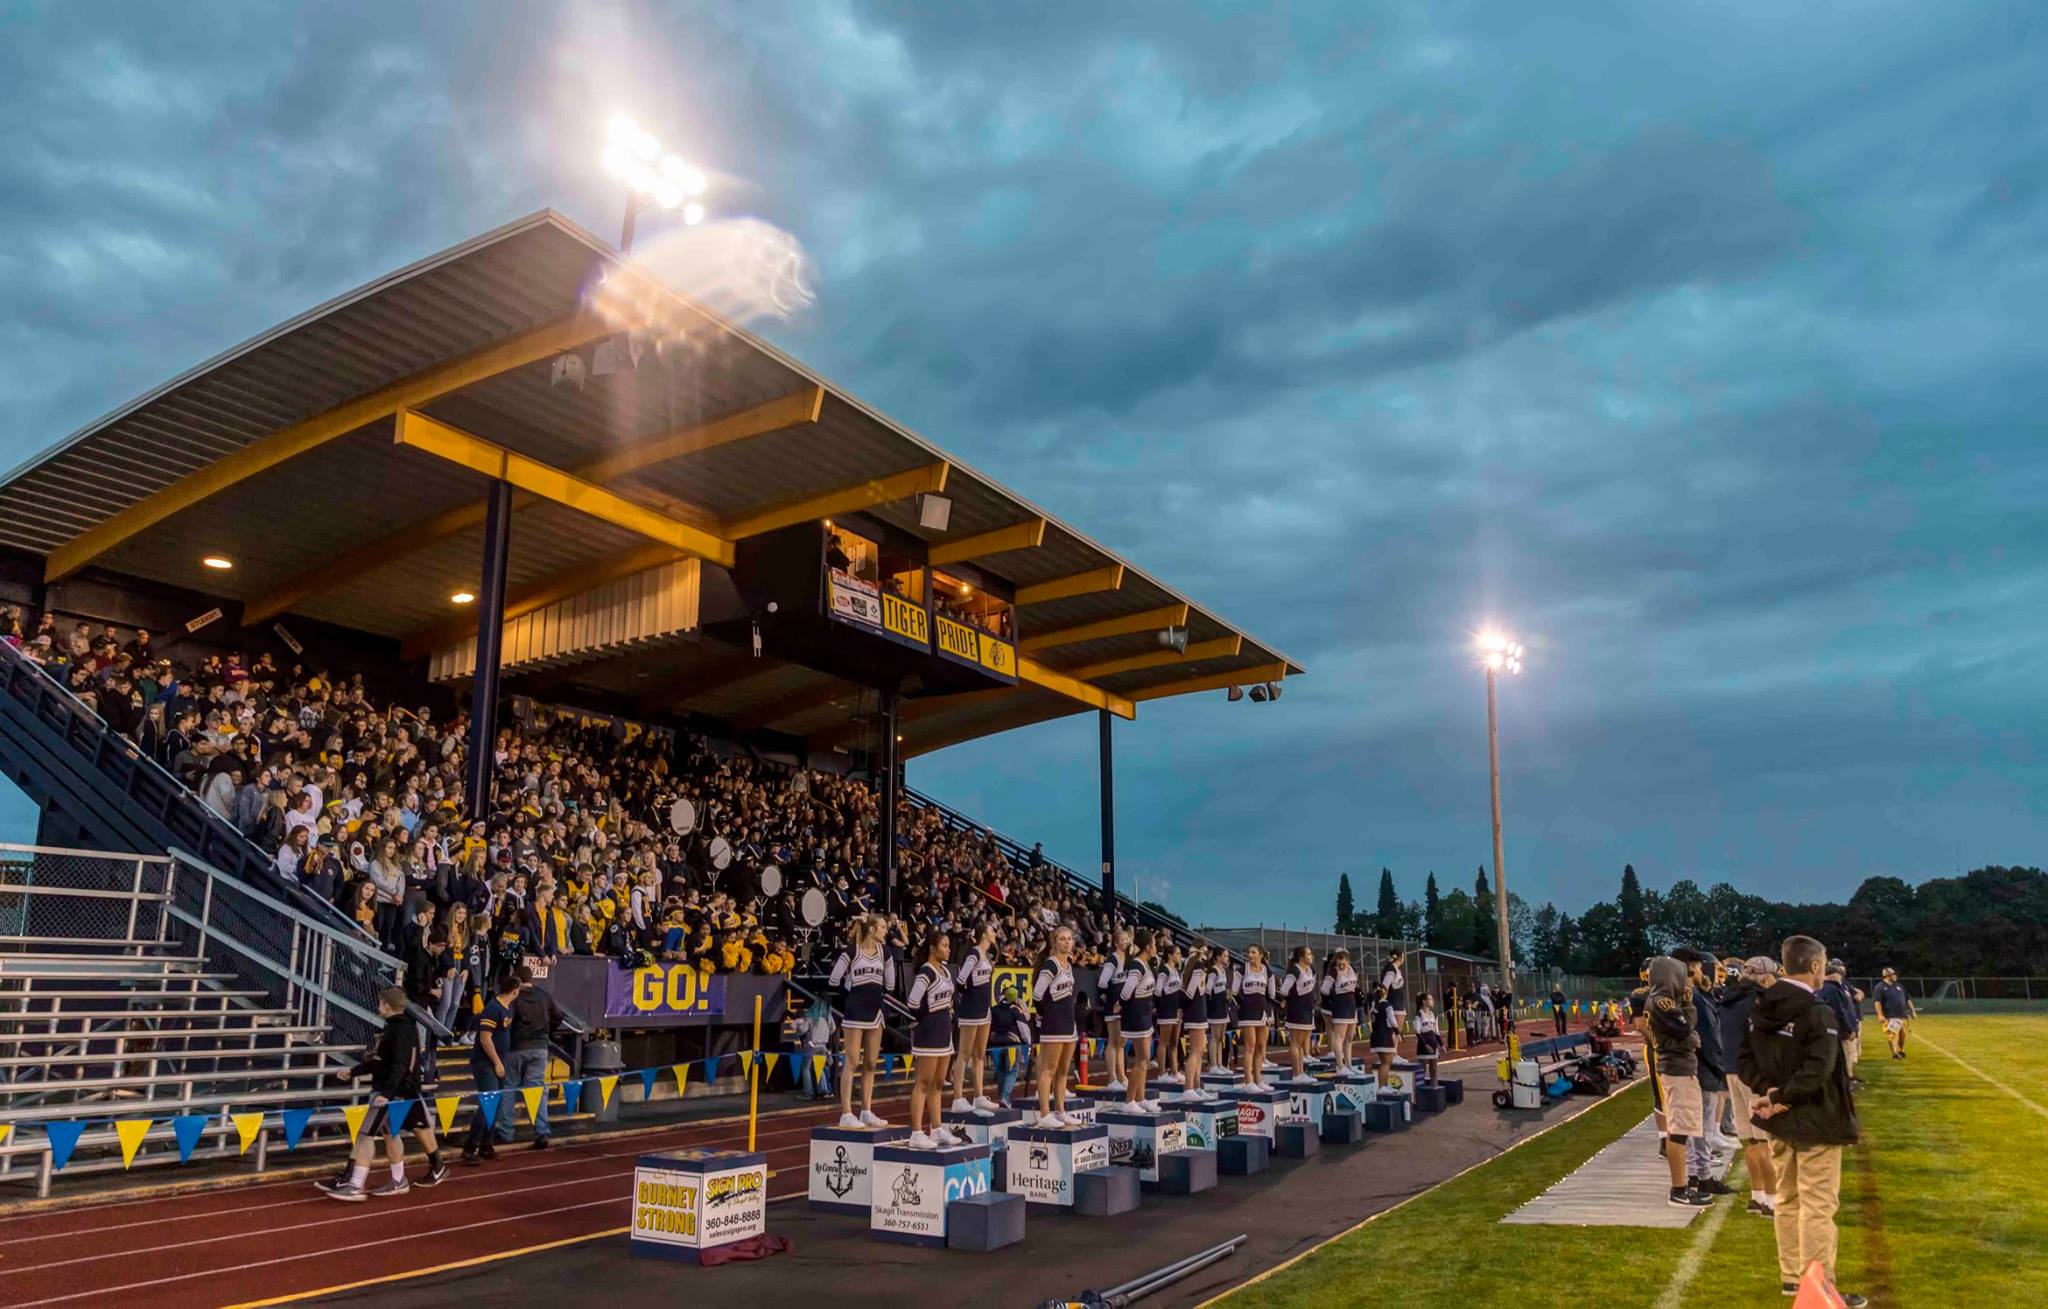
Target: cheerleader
(1340, 1002)
(1384, 1033)
(862, 974)
(1194, 1012)
(1429, 1040)
(931, 1043)
(1052, 994)
(1138, 1000)
(973, 999)
(1109, 985)
(1221, 977)
(1168, 1014)
(1253, 987)
(1297, 1002)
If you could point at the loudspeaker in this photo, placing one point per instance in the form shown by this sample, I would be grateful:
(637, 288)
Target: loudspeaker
(934, 511)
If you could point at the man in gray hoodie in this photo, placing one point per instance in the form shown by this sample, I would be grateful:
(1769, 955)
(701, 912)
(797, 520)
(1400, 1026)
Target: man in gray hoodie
(1676, 1042)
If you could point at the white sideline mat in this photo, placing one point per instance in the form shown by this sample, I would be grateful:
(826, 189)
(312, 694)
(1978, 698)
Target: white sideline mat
(1622, 1186)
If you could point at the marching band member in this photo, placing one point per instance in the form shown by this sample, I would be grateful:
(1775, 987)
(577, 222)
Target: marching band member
(1297, 997)
(1340, 1001)
(1172, 1001)
(931, 1042)
(1221, 977)
(1384, 1033)
(1138, 999)
(863, 973)
(973, 999)
(1194, 1012)
(1253, 987)
(1109, 985)
(1052, 993)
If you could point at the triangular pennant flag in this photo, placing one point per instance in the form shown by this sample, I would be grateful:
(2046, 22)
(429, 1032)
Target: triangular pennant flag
(444, 1110)
(247, 1128)
(487, 1105)
(605, 1086)
(353, 1115)
(396, 1112)
(711, 1067)
(771, 1058)
(647, 1076)
(817, 1068)
(63, 1140)
(681, 1072)
(531, 1095)
(188, 1128)
(572, 1095)
(295, 1121)
(131, 1131)
(6, 1131)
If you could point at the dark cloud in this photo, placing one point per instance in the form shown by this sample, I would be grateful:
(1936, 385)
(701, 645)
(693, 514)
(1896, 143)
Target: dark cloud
(1700, 345)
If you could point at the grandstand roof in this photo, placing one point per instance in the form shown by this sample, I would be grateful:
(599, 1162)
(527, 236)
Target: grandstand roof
(281, 455)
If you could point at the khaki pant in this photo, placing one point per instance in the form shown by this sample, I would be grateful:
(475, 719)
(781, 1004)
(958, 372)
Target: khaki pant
(1809, 1192)
(1852, 1050)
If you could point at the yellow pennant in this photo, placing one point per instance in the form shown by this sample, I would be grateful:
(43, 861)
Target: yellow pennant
(6, 1130)
(353, 1115)
(531, 1095)
(247, 1128)
(131, 1131)
(605, 1086)
(682, 1072)
(444, 1109)
(817, 1065)
(771, 1064)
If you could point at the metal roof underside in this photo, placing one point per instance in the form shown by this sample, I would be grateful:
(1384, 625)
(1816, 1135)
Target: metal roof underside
(361, 488)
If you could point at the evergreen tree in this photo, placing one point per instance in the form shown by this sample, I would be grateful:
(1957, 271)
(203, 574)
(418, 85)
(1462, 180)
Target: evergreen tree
(1387, 922)
(1543, 938)
(1432, 915)
(1485, 932)
(1347, 915)
(1635, 918)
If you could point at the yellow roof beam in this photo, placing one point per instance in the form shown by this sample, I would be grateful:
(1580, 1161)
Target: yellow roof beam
(1030, 670)
(563, 585)
(1149, 620)
(550, 483)
(1216, 682)
(800, 406)
(880, 491)
(1065, 588)
(268, 452)
(1017, 536)
(1222, 648)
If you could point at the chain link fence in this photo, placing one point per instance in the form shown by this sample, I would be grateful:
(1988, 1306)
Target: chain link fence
(81, 898)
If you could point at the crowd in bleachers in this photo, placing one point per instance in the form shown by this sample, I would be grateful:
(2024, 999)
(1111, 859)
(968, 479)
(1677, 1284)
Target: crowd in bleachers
(362, 802)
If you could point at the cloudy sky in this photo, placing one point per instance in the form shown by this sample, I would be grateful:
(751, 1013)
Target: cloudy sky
(1701, 344)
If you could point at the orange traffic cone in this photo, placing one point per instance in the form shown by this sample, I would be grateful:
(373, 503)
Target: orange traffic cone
(1817, 1290)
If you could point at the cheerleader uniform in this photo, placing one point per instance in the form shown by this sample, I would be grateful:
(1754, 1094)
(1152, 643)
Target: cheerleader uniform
(1194, 1004)
(1429, 1039)
(1384, 1034)
(1253, 988)
(931, 1004)
(975, 991)
(1170, 1002)
(1052, 994)
(864, 978)
(1340, 995)
(1219, 998)
(1298, 996)
(1138, 998)
(1109, 984)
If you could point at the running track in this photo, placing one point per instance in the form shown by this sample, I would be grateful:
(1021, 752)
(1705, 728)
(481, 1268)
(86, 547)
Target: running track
(282, 1239)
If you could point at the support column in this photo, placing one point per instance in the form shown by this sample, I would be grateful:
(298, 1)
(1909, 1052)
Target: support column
(887, 799)
(1108, 820)
(490, 645)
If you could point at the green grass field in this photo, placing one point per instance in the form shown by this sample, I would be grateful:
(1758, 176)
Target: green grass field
(1943, 1203)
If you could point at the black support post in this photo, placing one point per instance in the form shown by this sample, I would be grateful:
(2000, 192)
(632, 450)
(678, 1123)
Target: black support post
(490, 644)
(1108, 821)
(887, 799)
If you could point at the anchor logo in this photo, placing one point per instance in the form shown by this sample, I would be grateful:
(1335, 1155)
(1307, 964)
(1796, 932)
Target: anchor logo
(840, 1174)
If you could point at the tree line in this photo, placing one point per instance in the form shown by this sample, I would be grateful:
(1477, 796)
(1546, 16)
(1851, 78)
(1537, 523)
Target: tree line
(1992, 922)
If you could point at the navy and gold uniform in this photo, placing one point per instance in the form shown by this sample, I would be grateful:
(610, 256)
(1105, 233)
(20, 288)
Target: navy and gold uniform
(1298, 996)
(1253, 988)
(1052, 996)
(1138, 996)
(1340, 995)
(1194, 1002)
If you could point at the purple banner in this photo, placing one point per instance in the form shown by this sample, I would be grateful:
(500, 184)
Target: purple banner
(665, 991)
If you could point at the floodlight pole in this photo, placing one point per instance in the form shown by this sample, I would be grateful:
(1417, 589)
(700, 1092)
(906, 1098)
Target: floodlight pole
(888, 798)
(1108, 820)
(1500, 872)
(490, 644)
(626, 231)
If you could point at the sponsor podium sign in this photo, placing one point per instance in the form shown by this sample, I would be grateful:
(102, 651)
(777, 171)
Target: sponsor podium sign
(1307, 1097)
(1355, 1090)
(912, 1188)
(1208, 1121)
(1258, 1112)
(1138, 1139)
(688, 1201)
(843, 1165)
(1043, 1161)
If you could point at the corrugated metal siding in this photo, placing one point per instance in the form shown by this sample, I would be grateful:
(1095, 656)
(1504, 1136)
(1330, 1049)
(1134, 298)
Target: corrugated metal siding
(656, 605)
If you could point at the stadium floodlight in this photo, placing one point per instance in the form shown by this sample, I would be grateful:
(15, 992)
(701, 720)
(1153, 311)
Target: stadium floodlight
(652, 176)
(1498, 653)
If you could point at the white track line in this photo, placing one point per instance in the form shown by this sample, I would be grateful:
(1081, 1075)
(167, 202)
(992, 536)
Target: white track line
(1969, 1067)
(1695, 1255)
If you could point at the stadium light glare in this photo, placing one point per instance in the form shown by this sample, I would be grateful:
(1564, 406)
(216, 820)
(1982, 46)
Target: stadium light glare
(462, 598)
(635, 157)
(219, 563)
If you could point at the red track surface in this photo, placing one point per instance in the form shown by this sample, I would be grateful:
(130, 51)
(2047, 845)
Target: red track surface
(282, 1238)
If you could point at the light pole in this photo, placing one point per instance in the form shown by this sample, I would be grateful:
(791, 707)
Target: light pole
(1498, 654)
(653, 178)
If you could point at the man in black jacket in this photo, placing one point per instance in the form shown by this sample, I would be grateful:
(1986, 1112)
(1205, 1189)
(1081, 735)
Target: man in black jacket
(1792, 1060)
(394, 1067)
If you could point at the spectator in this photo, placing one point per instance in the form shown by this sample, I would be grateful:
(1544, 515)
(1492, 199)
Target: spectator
(1737, 999)
(394, 1072)
(1704, 1161)
(1849, 1010)
(534, 1018)
(1896, 1008)
(1675, 1038)
(1557, 1003)
(489, 1067)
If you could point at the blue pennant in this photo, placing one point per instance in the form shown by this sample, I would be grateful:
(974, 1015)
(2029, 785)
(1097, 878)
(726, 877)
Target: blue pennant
(188, 1128)
(572, 1095)
(295, 1121)
(396, 1113)
(647, 1076)
(711, 1068)
(487, 1105)
(63, 1140)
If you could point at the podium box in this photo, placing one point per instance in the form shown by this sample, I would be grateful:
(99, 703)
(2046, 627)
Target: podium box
(1216, 1079)
(1208, 1121)
(1402, 1100)
(688, 1201)
(842, 1166)
(914, 1189)
(1079, 1105)
(1043, 1161)
(1137, 1139)
(983, 1126)
(1257, 1111)
(1354, 1090)
(1307, 1098)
